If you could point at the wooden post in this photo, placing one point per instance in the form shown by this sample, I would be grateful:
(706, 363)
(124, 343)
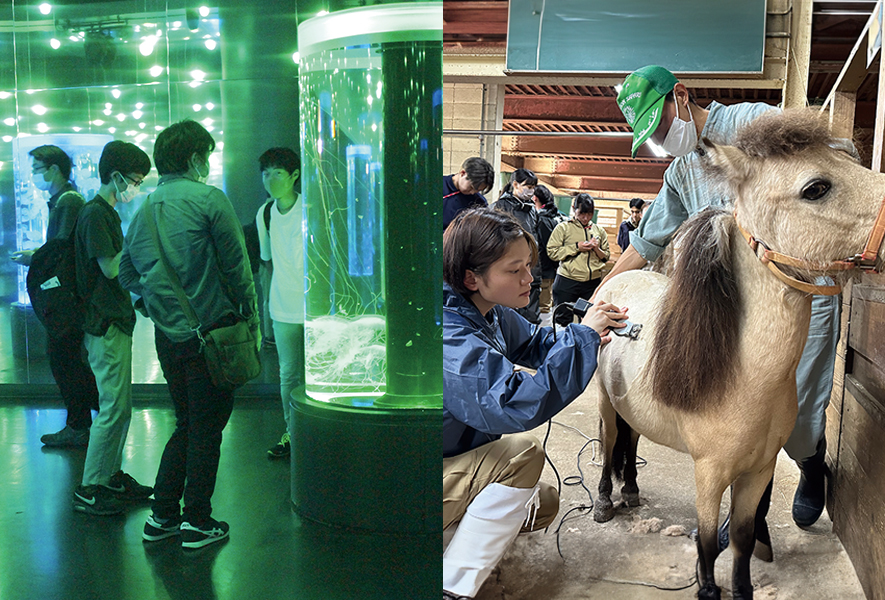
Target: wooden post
(880, 120)
(798, 55)
(842, 114)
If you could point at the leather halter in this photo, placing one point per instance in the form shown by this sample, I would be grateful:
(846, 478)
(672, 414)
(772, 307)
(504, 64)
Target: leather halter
(866, 260)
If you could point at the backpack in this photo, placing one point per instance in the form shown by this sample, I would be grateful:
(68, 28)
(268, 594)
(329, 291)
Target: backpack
(52, 287)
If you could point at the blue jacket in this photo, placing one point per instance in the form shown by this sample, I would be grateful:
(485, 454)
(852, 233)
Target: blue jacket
(483, 398)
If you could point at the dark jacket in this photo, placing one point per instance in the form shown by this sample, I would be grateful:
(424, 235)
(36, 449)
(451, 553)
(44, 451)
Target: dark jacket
(483, 397)
(523, 211)
(624, 234)
(548, 218)
(455, 202)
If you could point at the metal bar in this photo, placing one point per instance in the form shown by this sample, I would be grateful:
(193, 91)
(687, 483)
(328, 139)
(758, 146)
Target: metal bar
(492, 132)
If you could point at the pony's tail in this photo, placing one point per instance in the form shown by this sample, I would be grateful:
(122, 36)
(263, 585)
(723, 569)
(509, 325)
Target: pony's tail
(622, 447)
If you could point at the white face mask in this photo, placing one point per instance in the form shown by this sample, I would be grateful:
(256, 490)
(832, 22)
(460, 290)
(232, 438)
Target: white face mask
(202, 171)
(682, 137)
(127, 194)
(41, 184)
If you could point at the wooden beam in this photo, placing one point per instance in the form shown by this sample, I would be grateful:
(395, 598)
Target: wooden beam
(842, 114)
(855, 69)
(879, 129)
(798, 55)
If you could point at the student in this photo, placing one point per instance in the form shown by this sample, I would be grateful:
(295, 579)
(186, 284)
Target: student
(489, 481)
(581, 247)
(548, 218)
(636, 206)
(283, 243)
(660, 108)
(51, 172)
(108, 326)
(465, 189)
(202, 240)
(516, 199)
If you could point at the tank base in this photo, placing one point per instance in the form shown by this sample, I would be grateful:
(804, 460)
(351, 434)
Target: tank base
(367, 468)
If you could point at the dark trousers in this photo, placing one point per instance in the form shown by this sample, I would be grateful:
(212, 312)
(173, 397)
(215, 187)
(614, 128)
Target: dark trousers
(74, 378)
(569, 290)
(189, 465)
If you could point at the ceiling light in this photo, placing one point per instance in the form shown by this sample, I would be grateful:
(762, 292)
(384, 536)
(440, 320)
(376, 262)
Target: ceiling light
(56, 44)
(45, 8)
(39, 109)
(115, 93)
(204, 11)
(198, 75)
(211, 44)
(156, 71)
(42, 127)
(10, 121)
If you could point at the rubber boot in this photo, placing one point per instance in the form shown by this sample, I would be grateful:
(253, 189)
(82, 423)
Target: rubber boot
(489, 526)
(809, 500)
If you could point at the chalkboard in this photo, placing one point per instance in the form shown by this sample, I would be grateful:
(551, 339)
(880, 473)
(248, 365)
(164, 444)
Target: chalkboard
(619, 36)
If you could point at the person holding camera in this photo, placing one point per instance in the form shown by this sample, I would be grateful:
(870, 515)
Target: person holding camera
(581, 247)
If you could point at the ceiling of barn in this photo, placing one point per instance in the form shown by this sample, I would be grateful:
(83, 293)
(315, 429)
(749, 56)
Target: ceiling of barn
(602, 162)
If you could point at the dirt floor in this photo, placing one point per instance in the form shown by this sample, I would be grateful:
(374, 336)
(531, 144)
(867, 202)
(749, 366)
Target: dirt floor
(623, 558)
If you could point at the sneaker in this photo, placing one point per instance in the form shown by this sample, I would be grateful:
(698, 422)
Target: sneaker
(96, 500)
(193, 536)
(283, 449)
(67, 438)
(126, 488)
(156, 529)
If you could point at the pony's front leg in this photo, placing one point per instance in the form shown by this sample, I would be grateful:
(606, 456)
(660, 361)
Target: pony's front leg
(603, 508)
(748, 490)
(710, 487)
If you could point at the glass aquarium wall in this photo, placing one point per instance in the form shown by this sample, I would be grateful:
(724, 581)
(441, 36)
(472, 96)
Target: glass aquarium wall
(371, 172)
(125, 70)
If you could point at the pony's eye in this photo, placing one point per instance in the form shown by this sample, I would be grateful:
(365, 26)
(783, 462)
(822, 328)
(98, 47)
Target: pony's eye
(816, 190)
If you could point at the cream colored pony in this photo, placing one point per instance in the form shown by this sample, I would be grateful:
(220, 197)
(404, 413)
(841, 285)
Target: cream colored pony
(713, 372)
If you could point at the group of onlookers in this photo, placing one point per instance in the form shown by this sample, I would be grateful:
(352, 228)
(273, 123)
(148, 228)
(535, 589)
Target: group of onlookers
(188, 231)
(572, 251)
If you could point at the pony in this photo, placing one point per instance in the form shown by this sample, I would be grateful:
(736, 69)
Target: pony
(713, 372)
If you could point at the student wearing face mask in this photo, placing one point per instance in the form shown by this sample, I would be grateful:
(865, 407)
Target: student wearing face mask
(516, 199)
(108, 327)
(659, 108)
(50, 172)
(202, 241)
(279, 223)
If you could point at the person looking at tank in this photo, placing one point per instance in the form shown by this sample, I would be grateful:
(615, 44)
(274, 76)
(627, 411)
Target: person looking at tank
(51, 172)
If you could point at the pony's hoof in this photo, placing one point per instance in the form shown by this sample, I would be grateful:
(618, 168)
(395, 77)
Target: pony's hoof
(603, 512)
(631, 498)
(710, 592)
(763, 552)
(742, 594)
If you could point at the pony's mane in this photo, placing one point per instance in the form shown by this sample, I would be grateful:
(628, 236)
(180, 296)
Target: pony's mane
(785, 133)
(695, 350)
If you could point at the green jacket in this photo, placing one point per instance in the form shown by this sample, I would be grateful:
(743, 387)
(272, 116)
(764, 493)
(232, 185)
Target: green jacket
(563, 247)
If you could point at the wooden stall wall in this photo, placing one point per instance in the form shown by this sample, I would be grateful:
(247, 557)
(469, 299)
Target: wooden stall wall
(856, 433)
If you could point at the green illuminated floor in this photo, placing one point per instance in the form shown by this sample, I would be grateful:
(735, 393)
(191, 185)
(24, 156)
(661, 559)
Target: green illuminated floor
(49, 552)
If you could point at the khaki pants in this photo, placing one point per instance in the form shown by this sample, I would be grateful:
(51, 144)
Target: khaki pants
(515, 460)
(546, 295)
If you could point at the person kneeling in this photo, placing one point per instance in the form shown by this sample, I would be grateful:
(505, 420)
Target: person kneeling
(491, 483)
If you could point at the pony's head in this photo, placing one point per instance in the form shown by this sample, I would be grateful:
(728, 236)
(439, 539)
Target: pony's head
(800, 191)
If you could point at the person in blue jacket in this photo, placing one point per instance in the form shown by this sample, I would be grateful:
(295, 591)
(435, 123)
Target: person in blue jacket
(490, 482)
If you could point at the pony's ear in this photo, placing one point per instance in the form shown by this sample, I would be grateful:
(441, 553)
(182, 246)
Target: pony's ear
(731, 163)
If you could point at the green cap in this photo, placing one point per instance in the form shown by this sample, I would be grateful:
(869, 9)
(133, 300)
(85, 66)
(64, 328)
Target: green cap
(641, 99)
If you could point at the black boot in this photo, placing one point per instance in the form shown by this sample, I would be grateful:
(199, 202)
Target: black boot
(808, 503)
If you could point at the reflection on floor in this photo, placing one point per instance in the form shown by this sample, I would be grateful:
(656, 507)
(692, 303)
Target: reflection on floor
(23, 351)
(48, 551)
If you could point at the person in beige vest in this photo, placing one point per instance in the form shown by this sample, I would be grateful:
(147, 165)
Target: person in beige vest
(581, 247)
